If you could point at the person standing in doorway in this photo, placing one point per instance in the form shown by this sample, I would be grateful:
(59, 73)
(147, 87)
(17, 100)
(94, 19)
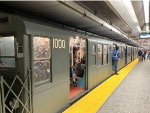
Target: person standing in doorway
(115, 59)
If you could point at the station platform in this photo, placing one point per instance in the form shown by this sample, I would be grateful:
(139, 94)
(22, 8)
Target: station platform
(128, 92)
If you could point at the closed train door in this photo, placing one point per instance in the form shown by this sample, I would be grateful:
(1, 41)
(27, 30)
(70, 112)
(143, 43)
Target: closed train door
(78, 66)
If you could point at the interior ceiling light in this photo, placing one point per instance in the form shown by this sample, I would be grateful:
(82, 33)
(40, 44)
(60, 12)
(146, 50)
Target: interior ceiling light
(146, 13)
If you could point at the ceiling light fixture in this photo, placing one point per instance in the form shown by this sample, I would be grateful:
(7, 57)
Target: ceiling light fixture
(131, 12)
(146, 13)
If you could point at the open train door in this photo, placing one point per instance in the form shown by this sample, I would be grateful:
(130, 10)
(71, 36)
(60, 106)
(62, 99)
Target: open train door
(78, 66)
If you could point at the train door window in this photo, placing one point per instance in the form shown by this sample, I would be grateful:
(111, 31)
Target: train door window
(100, 54)
(41, 60)
(133, 53)
(94, 54)
(7, 51)
(121, 51)
(105, 54)
(77, 65)
(129, 51)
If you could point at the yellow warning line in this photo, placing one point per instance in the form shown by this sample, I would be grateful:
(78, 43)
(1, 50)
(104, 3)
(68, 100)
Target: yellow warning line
(91, 102)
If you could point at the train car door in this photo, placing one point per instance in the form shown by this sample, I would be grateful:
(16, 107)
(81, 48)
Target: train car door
(78, 61)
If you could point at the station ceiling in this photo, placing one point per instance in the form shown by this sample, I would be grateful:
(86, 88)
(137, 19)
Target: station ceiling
(84, 15)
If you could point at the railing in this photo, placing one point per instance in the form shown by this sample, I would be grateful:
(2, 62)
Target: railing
(13, 100)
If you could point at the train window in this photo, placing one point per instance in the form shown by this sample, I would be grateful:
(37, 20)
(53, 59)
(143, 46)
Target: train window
(7, 51)
(135, 51)
(129, 51)
(121, 52)
(41, 71)
(41, 63)
(94, 54)
(7, 46)
(41, 48)
(110, 48)
(120, 49)
(94, 49)
(100, 54)
(105, 55)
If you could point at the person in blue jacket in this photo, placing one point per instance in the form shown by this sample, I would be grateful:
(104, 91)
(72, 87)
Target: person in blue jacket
(115, 59)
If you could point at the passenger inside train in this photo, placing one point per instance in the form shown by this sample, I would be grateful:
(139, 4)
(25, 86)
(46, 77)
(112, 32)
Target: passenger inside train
(77, 66)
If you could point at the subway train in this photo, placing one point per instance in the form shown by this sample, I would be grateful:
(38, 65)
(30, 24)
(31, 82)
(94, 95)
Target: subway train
(44, 68)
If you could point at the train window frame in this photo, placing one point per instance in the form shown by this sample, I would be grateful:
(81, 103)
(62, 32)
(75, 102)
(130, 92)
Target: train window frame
(105, 54)
(100, 53)
(14, 56)
(49, 79)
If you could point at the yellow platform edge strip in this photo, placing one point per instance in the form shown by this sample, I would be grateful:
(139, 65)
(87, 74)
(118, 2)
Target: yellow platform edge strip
(93, 101)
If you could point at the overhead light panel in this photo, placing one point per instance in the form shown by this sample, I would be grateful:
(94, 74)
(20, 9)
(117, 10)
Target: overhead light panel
(146, 13)
(131, 12)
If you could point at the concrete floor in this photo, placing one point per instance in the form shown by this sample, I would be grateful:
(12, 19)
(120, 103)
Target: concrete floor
(133, 95)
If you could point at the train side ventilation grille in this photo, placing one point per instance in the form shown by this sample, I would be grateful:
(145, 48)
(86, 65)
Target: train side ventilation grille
(15, 97)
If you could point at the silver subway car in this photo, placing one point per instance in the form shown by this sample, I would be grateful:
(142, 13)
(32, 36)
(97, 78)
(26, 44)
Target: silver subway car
(43, 68)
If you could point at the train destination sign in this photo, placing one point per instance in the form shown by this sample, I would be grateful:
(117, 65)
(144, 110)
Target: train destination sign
(144, 36)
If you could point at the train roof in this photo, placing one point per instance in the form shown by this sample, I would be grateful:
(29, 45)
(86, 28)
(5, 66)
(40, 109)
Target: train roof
(12, 24)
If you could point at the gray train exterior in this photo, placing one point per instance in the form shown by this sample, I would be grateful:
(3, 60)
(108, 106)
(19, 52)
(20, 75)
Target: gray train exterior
(53, 95)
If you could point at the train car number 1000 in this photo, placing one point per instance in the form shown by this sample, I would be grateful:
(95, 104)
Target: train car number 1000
(58, 43)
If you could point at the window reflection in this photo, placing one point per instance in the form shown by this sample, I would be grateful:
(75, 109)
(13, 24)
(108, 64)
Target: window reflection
(41, 71)
(7, 51)
(7, 46)
(99, 56)
(105, 49)
(94, 49)
(41, 47)
(105, 59)
(41, 64)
